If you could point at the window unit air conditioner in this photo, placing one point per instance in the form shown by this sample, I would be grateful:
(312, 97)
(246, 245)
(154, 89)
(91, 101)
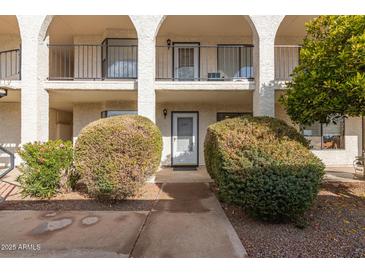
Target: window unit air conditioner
(215, 76)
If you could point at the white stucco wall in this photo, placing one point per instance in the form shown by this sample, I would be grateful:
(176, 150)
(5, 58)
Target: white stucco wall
(9, 129)
(207, 116)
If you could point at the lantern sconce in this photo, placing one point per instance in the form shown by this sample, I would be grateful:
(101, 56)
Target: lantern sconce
(168, 43)
(3, 92)
(164, 113)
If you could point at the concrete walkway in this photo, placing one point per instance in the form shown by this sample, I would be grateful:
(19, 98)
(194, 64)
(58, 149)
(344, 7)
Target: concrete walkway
(183, 175)
(186, 220)
(342, 174)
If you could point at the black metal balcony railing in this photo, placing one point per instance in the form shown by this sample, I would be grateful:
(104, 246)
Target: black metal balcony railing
(92, 62)
(10, 65)
(286, 59)
(192, 62)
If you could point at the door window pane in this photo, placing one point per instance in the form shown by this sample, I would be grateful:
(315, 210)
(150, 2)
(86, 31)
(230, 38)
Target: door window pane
(121, 58)
(229, 61)
(235, 61)
(185, 64)
(184, 134)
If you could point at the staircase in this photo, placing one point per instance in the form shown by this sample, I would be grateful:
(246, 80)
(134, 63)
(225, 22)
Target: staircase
(5, 169)
(6, 188)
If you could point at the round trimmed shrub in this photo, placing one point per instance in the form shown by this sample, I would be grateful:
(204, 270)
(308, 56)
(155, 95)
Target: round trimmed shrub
(263, 165)
(114, 156)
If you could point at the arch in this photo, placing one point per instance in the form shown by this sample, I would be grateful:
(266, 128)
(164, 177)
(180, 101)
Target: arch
(10, 41)
(247, 18)
(77, 45)
(223, 46)
(292, 29)
(9, 26)
(288, 38)
(61, 28)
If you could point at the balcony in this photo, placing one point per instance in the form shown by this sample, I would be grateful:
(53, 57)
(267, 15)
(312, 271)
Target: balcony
(286, 59)
(106, 61)
(10, 65)
(193, 62)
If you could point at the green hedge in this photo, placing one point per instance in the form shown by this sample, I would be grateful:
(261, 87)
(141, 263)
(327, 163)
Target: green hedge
(263, 165)
(43, 166)
(115, 156)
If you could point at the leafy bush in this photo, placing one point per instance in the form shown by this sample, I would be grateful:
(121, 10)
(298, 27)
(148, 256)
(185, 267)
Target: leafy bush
(114, 156)
(263, 165)
(43, 166)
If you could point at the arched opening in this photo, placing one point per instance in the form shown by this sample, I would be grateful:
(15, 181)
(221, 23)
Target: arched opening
(288, 39)
(9, 48)
(90, 48)
(204, 48)
(10, 112)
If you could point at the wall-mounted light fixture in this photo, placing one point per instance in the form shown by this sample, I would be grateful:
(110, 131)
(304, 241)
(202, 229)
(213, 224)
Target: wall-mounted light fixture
(3, 92)
(168, 42)
(164, 113)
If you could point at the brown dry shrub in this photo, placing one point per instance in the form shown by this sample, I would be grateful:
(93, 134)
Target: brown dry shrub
(115, 156)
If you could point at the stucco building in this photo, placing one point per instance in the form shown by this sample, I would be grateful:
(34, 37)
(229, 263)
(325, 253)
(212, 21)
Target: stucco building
(182, 72)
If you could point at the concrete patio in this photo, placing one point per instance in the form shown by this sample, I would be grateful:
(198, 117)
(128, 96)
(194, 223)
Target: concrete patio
(341, 174)
(183, 175)
(184, 220)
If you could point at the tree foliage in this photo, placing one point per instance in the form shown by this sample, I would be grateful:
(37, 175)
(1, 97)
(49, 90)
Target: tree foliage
(329, 82)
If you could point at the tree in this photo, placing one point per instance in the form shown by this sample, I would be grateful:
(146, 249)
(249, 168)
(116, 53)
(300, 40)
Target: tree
(329, 82)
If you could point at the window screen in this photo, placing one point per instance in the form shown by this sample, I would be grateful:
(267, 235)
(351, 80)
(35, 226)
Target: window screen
(110, 113)
(226, 115)
(235, 61)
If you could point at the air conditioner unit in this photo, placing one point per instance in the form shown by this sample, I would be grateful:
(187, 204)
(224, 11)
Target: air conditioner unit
(215, 76)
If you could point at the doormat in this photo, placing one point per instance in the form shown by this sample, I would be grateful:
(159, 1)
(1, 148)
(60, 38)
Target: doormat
(185, 168)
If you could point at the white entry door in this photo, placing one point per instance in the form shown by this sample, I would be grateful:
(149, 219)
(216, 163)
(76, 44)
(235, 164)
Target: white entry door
(186, 61)
(185, 139)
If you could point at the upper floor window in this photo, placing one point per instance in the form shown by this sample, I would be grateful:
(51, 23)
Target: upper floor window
(235, 61)
(111, 113)
(227, 115)
(326, 136)
(119, 58)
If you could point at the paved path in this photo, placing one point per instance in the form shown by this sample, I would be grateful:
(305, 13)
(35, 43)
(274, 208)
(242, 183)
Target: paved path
(9, 187)
(185, 221)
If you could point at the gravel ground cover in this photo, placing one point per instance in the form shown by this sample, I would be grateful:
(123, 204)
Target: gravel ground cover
(143, 201)
(336, 227)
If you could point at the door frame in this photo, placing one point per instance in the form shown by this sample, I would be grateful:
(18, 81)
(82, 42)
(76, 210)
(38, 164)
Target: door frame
(197, 138)
(173, 58)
